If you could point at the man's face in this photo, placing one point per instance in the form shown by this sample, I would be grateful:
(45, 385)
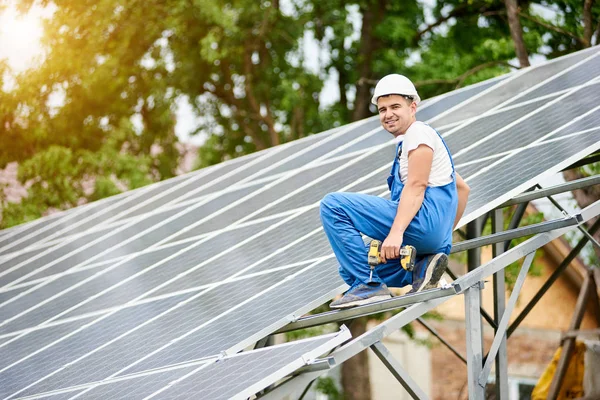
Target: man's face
(395, 113)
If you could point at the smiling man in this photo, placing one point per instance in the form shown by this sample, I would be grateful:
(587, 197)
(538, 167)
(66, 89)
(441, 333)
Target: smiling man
(427, 199)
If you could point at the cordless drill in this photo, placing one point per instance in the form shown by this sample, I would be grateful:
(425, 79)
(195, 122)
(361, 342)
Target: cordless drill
(407, 256)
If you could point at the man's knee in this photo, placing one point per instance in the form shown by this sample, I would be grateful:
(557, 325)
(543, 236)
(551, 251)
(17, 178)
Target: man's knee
(330, 202)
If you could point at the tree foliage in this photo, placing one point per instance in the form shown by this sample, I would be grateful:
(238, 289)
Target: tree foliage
(113, 71)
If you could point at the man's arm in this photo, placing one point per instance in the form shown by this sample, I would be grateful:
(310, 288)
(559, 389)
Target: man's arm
(411, 199)
(463, 194)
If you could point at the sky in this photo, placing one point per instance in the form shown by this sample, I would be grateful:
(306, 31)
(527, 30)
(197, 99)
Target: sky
(19, 37)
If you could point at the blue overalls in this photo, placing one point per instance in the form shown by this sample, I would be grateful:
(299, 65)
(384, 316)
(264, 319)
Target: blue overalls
(346, 215)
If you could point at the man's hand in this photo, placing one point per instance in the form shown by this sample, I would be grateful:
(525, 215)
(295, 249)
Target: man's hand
(390, 248)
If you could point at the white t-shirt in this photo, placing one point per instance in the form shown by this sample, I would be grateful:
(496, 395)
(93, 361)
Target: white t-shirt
(441, 168)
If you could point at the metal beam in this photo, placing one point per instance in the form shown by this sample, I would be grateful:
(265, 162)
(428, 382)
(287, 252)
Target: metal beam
(579, 332)
(317, 365)
(361, 311)
(474, 341)
(441, 339)
(552, 190)
(515, 221)
(473, 253)
(501, 388)
(484, 313)
(581, 228)
(416, 310)
(500, 337)
(538, 296)
(516, 233)
(592, 158)
(399, 373)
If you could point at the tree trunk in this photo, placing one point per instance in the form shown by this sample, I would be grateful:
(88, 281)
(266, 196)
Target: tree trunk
(343, 81)
(373, 13)
(356, 382)
(588, 22)
(516, 32)
(584, 197)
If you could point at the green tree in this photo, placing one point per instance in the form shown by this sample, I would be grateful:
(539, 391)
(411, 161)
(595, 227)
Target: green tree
(112, 62)
(241, 65)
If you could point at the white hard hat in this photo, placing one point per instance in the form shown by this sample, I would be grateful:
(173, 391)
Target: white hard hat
(395, 84)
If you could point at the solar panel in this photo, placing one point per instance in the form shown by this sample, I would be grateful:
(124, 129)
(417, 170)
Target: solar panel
(71, 219)
(223, 378)
(218, 259)
(526, 167)
(525, 130)
(512, 87)
(568, 78)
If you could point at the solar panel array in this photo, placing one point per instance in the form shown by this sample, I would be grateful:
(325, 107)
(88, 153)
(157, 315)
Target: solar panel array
(146, 286)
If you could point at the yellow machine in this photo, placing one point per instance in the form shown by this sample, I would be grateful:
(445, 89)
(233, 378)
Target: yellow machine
(407, 256)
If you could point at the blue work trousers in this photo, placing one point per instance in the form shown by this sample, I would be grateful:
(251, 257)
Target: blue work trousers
(346, 215)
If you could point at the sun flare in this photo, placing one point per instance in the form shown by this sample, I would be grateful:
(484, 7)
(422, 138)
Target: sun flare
(20, 37)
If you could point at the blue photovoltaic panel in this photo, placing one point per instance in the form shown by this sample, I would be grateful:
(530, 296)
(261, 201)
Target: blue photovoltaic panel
(537, 124)
(525, 166)
(135, 387)
(455, 98)
(234, 376)
(466, 135)
(239, 375)
(579, 75)
(37, 365)
(512, 87)
(156, 312)
(19, 346)
(331, 147)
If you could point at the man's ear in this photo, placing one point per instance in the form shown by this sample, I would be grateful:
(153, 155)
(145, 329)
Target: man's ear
(413, 107)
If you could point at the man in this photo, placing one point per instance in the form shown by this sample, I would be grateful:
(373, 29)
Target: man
(427, 200)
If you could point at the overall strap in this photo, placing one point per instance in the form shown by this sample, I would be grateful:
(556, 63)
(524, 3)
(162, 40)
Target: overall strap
(397, 159)
(447, 149)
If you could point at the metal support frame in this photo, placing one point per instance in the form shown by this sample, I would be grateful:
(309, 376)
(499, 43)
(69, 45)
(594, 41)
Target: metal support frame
(552, 190)
(501, 388)
(515, 221)
(399, 373)
(464, 284)
(474, 334)
(563, 265)
(488, 318)
(499, 343)
(356, 312)
(516, 233)
(474, 253)
(441, 339)
(579, 332)
(592, 158)
(581, 228)
(318, 365)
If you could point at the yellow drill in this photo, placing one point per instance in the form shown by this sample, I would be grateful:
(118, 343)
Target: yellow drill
(407, 256)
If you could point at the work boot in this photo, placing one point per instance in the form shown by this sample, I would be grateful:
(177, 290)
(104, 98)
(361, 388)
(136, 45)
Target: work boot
(361, 295)
(428, 271)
